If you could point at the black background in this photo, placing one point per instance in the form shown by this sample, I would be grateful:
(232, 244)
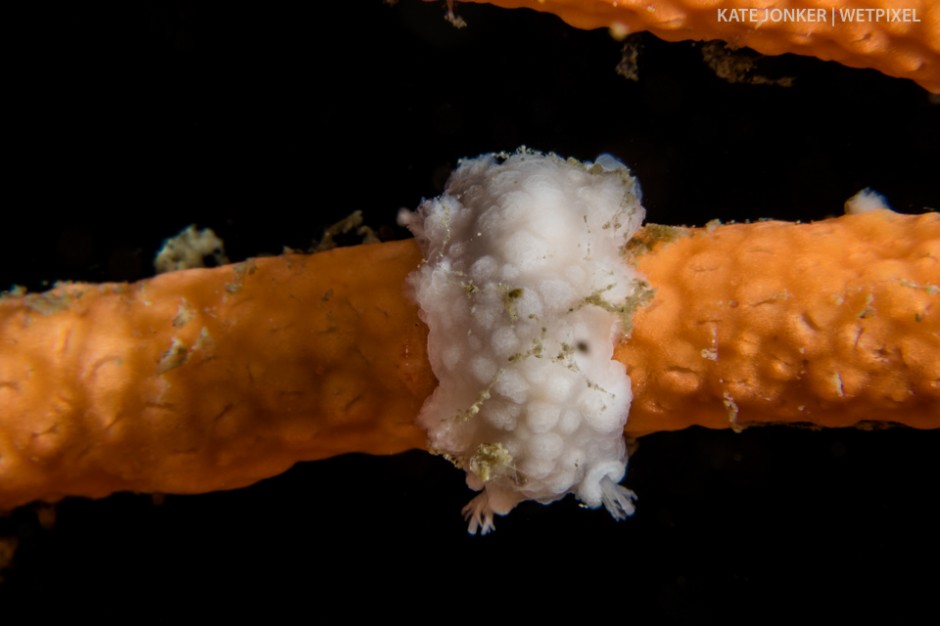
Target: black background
(269, 121)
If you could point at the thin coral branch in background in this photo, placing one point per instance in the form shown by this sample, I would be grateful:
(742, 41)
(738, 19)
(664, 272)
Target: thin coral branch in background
(900, 39)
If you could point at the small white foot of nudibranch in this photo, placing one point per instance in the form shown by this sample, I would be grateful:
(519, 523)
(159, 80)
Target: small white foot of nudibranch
(618, 500)
(479, 514)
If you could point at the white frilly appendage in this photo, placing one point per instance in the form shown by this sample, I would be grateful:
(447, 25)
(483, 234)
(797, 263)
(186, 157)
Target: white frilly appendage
(525, 292)
(479, 515)
(618, 500)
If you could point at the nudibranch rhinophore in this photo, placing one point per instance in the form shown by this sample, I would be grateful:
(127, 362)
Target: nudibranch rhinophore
(525, 294)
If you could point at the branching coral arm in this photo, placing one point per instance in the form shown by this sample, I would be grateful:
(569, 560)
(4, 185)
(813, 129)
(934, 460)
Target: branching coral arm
(209, 379)
(212, 379)
(833, 323)
(898, 38)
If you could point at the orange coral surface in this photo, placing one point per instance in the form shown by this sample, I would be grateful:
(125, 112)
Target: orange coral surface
(833, 323)
(212, 379)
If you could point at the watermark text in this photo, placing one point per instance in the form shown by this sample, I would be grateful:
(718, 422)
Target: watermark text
(816, 15)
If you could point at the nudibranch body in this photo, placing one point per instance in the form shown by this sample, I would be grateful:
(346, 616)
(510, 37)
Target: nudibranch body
(525, 292)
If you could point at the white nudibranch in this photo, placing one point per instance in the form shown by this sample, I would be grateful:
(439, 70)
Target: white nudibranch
(525, 291)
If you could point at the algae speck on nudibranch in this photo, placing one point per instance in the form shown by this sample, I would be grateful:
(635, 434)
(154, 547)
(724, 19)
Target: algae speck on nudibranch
(525, 293)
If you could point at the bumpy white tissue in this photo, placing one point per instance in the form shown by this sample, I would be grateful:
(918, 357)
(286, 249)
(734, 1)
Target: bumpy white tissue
(525, 291)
